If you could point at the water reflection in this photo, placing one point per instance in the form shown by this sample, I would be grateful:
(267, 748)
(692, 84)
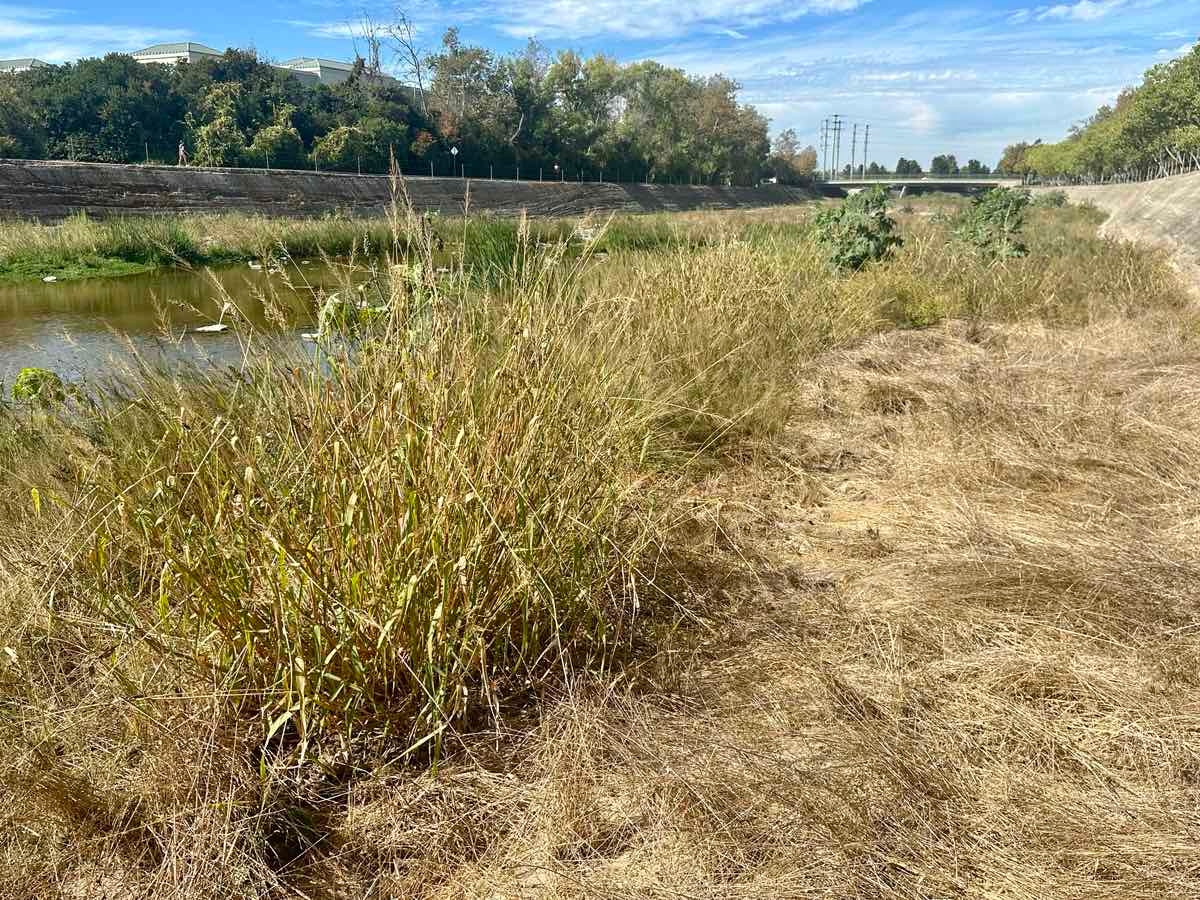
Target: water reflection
(79, 329)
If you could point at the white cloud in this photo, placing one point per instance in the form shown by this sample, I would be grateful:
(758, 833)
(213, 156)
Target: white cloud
(326, 29)
(1082, 11)
(639, 19)
(945, 75)
(1181, 50)
(46, 34)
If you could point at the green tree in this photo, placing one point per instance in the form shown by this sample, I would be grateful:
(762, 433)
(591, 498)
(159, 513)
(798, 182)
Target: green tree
(20, 136)
(1146, 131)
(218, 139)
(944, 165)
(789, 162)
(1013, 160)
(278, 145)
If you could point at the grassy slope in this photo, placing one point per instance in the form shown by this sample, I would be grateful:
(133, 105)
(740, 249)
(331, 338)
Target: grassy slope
(938, 587)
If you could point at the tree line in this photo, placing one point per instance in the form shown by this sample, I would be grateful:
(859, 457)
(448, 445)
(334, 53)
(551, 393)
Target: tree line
(558, 115)
(1150, 129)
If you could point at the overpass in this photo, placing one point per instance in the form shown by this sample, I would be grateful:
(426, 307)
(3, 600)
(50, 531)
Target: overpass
(923, 184)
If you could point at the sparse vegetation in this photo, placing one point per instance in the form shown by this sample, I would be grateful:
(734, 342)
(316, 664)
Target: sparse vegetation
(680, 571)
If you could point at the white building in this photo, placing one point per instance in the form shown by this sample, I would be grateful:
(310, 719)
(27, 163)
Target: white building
(326, 71)
(170, 54)
(310, 70)
(12, 66)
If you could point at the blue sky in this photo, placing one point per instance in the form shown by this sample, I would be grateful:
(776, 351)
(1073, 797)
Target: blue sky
(965, 77)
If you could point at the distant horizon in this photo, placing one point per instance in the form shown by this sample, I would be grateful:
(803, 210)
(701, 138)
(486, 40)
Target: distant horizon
(930, 78)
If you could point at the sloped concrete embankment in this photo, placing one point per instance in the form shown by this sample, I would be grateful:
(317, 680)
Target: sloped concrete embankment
(54, 190)
(1165, 213)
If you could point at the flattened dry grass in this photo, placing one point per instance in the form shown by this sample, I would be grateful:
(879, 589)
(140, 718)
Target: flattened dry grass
(917, 603)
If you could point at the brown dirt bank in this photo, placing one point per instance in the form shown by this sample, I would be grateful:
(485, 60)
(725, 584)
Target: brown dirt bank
(54, 190)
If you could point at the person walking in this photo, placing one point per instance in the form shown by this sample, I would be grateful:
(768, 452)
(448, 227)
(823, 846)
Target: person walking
(183, 157)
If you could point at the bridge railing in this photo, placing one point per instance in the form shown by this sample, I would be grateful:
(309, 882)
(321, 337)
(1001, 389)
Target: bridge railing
(892, 176)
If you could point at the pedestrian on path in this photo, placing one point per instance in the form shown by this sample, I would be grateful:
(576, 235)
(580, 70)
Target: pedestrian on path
(183, 157)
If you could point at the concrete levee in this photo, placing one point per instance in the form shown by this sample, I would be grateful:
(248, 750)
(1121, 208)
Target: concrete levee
(50, 191)
(1165, 213)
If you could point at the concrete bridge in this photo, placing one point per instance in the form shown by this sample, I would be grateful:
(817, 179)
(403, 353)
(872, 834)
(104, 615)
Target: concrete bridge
(924, 184)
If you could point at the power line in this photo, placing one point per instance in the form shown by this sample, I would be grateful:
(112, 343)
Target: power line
(866, 143)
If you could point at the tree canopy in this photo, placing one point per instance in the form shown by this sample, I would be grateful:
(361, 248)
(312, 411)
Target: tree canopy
(550, 112)
(1150, 127)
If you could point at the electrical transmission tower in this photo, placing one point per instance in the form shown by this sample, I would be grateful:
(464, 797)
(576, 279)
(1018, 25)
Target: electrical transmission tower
(837, 143)
(853, 149)
(825, 147)
(866, 143)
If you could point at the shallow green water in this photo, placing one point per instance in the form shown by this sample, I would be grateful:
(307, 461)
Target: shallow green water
(84, 329)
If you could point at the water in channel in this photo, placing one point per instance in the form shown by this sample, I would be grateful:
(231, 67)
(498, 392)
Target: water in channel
(82, 329)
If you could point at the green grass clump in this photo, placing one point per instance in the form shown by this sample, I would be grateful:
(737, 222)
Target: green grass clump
(441, 522)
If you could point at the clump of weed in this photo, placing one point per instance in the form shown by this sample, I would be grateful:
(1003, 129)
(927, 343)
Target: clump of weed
(993, 222)
(859, 231)
(34, 385)
(1050, 200)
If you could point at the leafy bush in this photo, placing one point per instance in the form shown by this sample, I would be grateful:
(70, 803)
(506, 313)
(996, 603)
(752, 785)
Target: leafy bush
(1051, 199)
(858, 231)
(278, 146)
(993, 222)
(35, 385)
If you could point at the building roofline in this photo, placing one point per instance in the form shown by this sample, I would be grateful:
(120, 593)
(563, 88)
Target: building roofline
(177, 47)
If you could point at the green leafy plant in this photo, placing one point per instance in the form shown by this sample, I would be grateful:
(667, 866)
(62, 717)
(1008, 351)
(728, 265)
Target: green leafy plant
(993, 222)
(34, 385)
(860, 231)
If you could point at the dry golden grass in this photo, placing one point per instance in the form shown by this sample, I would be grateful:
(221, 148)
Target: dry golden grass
(932, 634)
(956, 656)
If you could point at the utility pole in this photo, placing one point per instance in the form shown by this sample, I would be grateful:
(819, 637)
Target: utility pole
(853, 149)
(825, 147)
(866, 143)
(837, 143)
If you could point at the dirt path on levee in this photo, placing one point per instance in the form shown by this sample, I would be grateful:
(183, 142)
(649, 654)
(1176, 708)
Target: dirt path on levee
(1164, 212)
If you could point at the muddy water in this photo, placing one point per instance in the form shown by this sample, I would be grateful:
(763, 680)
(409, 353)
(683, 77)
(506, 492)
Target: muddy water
(84, 329)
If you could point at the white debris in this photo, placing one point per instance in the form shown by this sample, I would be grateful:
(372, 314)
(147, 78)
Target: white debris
(216, 328)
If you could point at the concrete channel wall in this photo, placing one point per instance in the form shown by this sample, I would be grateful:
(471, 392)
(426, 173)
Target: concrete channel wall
(50, 191)
(1165, 213)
